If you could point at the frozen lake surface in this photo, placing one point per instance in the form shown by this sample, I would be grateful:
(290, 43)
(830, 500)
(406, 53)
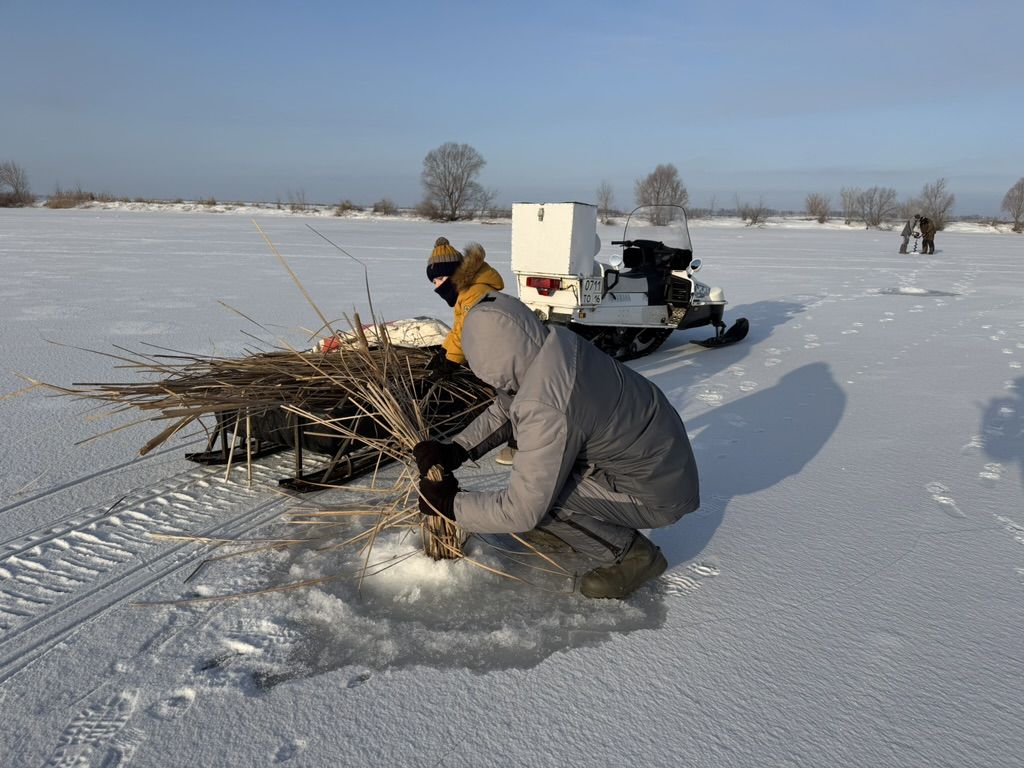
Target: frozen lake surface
(850, 593)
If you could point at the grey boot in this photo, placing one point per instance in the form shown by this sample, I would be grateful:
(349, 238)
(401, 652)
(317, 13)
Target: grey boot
(642, 562)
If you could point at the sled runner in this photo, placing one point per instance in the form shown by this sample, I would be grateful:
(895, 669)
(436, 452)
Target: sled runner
(448, 403)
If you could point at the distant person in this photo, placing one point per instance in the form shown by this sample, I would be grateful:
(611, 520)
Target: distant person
(928, 230)
(910, 229)
(462, 280)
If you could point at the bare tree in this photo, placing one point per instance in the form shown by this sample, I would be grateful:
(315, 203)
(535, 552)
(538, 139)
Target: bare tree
(702, 213)
(14, 189)
(605, 200)
(346, 206)
(877, 205)
(937, 203)
(908, 209)
(1013, 204)
(297, 201)
(850, 198)
(485, 199)
(750, 213)
(385, 207)
(449, 179)
(818, 206)
(661, 187)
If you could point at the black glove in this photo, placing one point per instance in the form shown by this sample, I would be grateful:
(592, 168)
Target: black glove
(439, 497)
(439, 365)
(429, 453)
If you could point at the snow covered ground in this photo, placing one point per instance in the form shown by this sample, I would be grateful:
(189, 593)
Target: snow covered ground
(851, 592)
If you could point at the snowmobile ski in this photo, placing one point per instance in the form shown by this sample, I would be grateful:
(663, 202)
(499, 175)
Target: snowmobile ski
(737, 332)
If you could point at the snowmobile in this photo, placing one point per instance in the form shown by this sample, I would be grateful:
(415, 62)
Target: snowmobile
(629, 306)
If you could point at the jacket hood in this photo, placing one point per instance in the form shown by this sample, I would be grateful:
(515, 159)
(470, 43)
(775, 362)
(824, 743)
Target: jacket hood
(501, 339)
(474, 269)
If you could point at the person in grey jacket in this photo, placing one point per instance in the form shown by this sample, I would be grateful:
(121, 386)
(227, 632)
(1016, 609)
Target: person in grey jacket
(910, 229)
(602, 453)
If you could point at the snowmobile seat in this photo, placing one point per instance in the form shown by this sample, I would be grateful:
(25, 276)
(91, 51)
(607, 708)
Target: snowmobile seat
(633, 258)
(646, 255)
(681, 258)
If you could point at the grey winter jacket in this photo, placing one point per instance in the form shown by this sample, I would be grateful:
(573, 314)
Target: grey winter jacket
(571, 408)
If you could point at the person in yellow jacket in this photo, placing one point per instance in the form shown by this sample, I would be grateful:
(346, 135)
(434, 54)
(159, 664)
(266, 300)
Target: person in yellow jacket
(461, 280)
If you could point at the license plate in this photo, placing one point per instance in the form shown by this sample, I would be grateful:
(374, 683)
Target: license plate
(590, 294)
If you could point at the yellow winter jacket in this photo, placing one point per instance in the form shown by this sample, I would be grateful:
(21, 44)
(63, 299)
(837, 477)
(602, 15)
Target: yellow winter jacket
(473, 280)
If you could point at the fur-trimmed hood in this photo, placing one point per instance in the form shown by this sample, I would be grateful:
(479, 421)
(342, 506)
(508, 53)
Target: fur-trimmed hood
(474, 269)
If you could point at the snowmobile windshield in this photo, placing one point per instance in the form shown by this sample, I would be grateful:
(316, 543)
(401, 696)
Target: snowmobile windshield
(662, 223)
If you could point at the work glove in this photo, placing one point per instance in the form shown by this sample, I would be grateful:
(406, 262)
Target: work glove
(439, 497)
(430, 453)
(439, 365)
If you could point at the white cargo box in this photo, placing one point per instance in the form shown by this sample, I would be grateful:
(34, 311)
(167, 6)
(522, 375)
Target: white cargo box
(554, 238)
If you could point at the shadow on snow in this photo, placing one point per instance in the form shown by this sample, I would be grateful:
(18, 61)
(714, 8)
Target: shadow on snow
(1002, 428)
(752, 444)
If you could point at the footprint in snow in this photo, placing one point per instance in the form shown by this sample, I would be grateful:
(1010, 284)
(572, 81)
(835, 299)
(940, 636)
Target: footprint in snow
(1013, 527)
(96, 736)
(690, 579)
(176, 704)
(264, 653)
(940, 495)
(992, 471)
(290, 750)
(735, 420)
(712, 395)
(359, 679)
(976, 443)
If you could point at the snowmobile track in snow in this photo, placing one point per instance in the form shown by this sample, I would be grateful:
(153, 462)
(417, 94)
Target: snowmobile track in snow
(94, 475)
(56, 580)
(179, 488)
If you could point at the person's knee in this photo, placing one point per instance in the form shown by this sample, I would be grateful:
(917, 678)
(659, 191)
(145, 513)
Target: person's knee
(670, 515)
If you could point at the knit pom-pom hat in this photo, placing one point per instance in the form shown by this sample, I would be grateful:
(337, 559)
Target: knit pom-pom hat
(443, 261)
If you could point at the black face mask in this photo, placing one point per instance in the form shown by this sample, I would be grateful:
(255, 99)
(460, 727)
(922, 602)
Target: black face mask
(447, 292)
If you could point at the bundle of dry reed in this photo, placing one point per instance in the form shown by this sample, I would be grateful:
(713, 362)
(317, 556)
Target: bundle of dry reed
(378, 395)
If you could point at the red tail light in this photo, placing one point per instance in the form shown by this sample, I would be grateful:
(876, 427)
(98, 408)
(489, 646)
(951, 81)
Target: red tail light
(546, 286)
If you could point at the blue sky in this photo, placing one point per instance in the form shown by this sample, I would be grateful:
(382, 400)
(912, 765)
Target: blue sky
(254, 100)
